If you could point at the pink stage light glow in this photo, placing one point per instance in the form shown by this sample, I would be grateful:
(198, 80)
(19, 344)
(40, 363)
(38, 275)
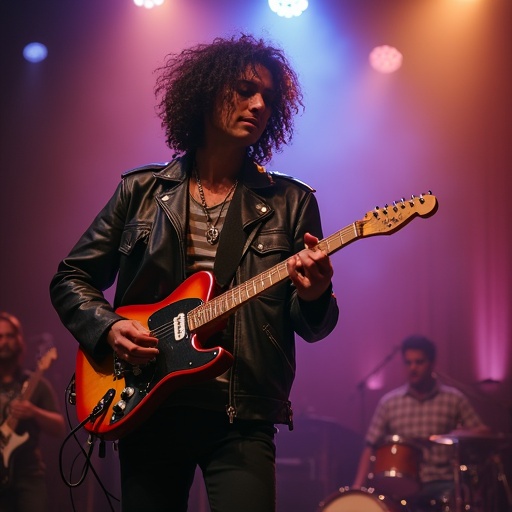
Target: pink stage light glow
(492, 327)
(385, 59)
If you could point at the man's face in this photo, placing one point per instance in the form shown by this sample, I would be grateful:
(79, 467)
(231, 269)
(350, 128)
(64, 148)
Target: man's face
(419, 369)
(10, 346)
(243, 121)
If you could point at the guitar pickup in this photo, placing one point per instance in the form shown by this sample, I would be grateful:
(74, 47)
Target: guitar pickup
(179, 323)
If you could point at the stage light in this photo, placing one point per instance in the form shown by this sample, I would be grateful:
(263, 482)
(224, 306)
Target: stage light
(385, 59)
(35, 52)
(148, 4)
(288, 8)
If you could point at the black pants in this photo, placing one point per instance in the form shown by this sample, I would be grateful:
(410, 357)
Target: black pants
(158, 462)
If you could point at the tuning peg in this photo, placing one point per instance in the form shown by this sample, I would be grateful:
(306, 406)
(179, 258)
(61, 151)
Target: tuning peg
(422, 199)
(385, 210)
(395, 208)
(411, 201)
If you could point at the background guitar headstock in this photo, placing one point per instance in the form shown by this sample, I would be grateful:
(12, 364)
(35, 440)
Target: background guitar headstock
(45, 360)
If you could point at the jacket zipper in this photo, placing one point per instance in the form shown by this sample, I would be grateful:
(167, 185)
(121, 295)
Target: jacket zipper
(230, 407)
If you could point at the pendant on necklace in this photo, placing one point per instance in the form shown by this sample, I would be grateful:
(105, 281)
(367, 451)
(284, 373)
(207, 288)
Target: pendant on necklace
(212, 235)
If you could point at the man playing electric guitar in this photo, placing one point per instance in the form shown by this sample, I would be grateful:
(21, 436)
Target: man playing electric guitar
(191, 377)
(22, 476)
(225, 107)
(170, 237)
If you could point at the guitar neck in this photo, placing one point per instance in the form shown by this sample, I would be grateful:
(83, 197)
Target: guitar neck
(26, 394)
(226, 303)
(376, 222)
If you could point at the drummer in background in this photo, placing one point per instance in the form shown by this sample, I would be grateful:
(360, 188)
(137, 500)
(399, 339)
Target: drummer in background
(415, 411)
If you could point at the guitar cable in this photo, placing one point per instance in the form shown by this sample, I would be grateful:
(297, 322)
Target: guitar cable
(97, 410)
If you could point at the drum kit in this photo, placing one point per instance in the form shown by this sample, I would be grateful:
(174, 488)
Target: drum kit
(479, 477)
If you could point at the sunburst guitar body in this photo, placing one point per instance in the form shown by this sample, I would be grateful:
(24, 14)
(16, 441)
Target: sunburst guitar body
(116, 397)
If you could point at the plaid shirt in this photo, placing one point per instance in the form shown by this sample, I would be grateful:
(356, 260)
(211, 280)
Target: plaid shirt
(400, 413)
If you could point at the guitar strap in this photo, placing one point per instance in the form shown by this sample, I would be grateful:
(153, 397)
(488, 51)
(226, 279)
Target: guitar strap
(231, 242)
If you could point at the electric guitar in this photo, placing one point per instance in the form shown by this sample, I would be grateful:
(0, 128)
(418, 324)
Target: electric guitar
(113, 397)
(9, 439)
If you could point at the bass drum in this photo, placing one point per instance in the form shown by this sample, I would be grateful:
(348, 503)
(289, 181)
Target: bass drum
(354, 500)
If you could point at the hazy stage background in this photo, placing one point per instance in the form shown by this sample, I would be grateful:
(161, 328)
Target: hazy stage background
(72, 124)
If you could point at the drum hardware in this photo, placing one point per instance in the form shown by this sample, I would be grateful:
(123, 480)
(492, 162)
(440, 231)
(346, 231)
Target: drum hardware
(496, 491)
(471, 452)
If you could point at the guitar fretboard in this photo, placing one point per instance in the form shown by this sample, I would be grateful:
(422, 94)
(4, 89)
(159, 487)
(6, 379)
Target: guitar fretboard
(224, 304)
(377, 222)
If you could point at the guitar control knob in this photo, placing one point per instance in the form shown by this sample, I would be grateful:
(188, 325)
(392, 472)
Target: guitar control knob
(119, 407)
(127, 392)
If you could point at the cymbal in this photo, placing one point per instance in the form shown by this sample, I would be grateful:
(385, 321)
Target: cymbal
(461, 436)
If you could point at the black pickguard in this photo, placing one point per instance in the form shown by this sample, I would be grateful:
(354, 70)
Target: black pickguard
(174, 355)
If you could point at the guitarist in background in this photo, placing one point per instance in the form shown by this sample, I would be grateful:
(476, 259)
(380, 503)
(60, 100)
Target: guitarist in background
(225, 108)
(23, 486)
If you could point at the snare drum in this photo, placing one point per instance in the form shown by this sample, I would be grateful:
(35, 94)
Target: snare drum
(359, 501)
(396, 467)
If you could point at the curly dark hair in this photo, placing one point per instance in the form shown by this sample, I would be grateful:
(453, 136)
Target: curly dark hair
(190, 82)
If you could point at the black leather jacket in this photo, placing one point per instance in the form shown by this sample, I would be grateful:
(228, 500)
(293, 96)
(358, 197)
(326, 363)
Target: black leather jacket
(140, 238)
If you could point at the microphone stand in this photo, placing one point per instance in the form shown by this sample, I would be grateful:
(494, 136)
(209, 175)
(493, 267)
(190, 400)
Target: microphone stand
(361, 385)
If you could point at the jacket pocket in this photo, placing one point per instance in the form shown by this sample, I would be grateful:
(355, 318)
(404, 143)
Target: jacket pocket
(269, 249)
(132, 235)
(271, 242)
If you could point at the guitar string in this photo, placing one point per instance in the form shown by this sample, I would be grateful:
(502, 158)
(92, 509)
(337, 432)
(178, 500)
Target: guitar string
(230, 296)
(222, 301)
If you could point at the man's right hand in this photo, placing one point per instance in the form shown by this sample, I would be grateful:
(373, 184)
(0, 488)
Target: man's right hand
(132, 342)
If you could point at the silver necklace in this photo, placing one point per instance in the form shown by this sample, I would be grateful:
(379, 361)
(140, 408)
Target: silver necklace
(211, 233)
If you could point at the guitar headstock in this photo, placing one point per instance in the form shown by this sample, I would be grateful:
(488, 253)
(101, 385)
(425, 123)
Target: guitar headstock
(390, 218)
(46, 359)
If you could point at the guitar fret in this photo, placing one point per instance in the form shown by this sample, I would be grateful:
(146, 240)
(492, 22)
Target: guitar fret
(235, 297)
(373, 224)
